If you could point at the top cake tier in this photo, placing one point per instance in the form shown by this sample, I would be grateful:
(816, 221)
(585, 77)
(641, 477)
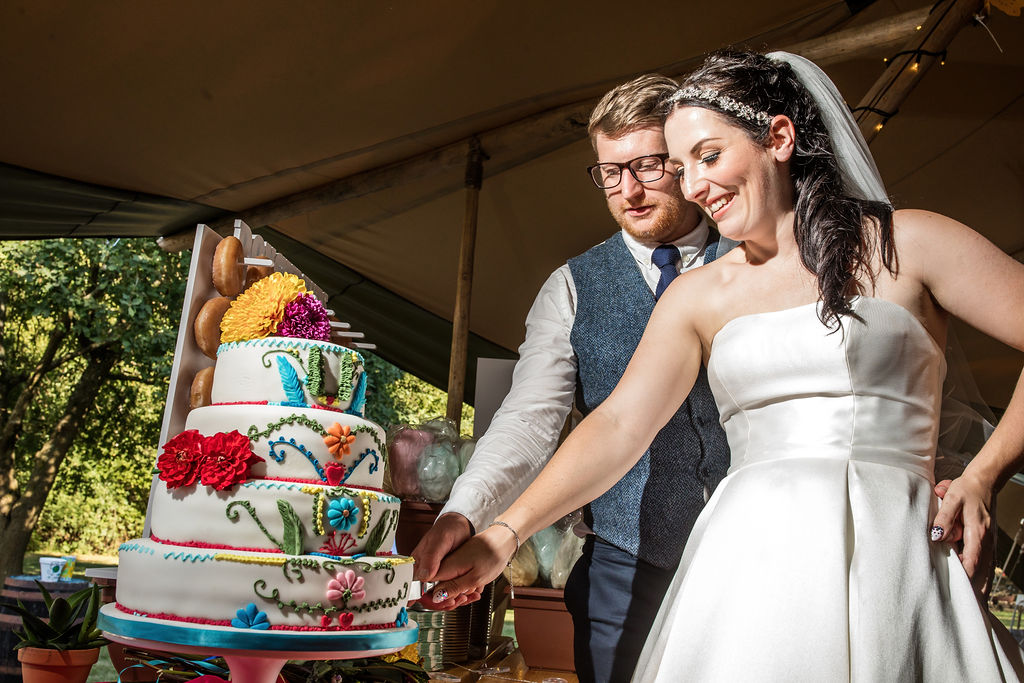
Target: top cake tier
(291, 372)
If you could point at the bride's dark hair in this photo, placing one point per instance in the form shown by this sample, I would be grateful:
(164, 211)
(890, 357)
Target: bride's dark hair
(830, 225)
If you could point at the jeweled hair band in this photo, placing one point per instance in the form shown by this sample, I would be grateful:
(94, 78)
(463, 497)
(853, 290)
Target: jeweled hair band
(724, 102)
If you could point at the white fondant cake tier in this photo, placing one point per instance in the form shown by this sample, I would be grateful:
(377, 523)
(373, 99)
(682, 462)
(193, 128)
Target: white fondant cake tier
(306, 592)
(291, 442)
(273, 515)
(286, 370)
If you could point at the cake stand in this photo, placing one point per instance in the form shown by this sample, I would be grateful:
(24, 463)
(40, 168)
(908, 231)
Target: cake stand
(252, 656)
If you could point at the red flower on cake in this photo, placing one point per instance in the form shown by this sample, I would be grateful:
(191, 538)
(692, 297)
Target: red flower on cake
(179, 463)
(338, 439)
(335, 474)
(227, 460)
(346, 619)
(337, 545)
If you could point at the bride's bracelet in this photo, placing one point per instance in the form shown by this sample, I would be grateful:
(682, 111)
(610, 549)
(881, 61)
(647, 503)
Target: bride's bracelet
(514, 533)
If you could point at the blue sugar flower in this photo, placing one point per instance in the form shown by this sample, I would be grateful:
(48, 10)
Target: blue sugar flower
(250, 617)
(342, 514)
(403, 618)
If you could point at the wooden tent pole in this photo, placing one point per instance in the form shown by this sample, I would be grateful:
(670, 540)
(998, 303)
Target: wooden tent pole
(464, 287)
(914, 59)
(862, 41)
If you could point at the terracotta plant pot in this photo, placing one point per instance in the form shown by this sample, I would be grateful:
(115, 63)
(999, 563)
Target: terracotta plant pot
(543, 628)
(53, 666)
(414, 521)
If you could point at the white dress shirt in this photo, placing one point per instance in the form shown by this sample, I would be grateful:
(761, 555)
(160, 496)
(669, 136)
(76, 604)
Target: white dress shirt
(524, 432)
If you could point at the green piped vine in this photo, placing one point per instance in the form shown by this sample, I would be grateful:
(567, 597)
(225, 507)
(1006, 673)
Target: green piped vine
(319, 608)
(315, 372)
(294, 353)
(292, 543)
(255, 434)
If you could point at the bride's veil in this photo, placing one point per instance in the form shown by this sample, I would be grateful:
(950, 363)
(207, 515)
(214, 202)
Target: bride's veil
(966, 420)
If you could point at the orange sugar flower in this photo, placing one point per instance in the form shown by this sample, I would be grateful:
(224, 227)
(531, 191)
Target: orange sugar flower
(338, 439)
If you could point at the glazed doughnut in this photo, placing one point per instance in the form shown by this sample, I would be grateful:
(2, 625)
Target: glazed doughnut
(254, 273)
(202, 387)
(228, 266)
(207, 325)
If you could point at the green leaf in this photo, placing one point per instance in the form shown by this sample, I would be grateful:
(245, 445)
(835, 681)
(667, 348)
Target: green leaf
(89, 620)
(46, 594)
(60, 614)
(376, 537)
(37, 629)
(292, 541)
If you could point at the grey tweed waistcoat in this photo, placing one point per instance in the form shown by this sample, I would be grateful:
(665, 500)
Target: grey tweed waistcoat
(649, 513)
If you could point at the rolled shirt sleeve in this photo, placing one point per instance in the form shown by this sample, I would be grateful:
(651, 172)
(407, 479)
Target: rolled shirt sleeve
(524, 431)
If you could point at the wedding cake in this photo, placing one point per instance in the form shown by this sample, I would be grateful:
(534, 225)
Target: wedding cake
(268, 511)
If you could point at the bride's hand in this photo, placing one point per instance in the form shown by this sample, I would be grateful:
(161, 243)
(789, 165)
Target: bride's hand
(469, 569)
(966, 515)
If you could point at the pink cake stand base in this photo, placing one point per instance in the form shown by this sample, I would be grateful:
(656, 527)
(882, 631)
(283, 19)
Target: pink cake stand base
(251, 656)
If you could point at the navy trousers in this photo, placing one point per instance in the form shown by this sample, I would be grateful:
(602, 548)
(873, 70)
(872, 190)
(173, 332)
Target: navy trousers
(613, 598)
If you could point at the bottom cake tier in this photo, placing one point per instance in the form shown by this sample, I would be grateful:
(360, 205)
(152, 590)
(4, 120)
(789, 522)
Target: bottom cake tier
(261, 590)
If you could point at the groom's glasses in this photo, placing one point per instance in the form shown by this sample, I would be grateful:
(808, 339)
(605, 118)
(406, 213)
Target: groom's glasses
(646, 169)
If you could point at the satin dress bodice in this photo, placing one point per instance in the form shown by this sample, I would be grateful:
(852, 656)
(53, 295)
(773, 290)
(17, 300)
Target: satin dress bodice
(788, 388)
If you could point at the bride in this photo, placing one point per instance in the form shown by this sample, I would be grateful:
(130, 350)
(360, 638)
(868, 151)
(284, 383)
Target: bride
(823, 555)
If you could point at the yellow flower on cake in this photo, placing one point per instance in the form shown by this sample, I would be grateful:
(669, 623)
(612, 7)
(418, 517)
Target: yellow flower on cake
(258, 311)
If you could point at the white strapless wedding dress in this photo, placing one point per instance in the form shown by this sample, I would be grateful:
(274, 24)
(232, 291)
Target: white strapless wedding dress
(812, 560)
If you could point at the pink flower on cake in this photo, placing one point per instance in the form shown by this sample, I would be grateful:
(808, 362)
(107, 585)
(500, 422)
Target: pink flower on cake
(338, 439)
(179, 463)
(227, 460)
(345, 586)
(306, 318)
(337, 544)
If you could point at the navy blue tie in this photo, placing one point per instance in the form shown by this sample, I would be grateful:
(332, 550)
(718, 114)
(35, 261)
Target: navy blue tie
(666, 257)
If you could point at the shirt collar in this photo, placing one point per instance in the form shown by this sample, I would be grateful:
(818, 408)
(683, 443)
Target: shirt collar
(691, 245)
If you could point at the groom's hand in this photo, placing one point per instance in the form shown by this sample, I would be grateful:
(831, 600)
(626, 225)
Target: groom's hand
(449, 531)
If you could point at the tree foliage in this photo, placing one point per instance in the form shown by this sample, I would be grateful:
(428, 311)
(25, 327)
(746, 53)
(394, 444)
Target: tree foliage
(87, 333)
(395, 397)
(87, 329)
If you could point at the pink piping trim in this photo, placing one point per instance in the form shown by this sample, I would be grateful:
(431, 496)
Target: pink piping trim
(220, 622)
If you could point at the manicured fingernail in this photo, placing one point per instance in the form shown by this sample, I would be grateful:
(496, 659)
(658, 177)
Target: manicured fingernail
(937, 532)
(443, 595)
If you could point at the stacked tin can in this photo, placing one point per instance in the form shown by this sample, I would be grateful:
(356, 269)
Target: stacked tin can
(444, 637)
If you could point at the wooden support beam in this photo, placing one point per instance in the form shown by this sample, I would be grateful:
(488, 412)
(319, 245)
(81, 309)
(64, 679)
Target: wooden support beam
(916, 56)
(870, 40)
(520, 141)
(464, 288)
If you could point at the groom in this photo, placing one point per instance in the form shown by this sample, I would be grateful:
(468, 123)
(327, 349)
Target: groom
(581, 332)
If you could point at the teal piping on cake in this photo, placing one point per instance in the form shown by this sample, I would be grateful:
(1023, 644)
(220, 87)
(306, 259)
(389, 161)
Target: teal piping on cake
(290, 382)
(294, 342)
(136, 547)
(188, 557)
(373, 466)
(279, 457)
(359, 400)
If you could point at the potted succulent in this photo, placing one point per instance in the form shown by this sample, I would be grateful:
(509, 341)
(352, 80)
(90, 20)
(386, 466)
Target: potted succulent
(64, 646)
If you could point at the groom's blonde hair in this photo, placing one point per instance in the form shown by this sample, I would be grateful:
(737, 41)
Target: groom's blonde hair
(632, 105)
